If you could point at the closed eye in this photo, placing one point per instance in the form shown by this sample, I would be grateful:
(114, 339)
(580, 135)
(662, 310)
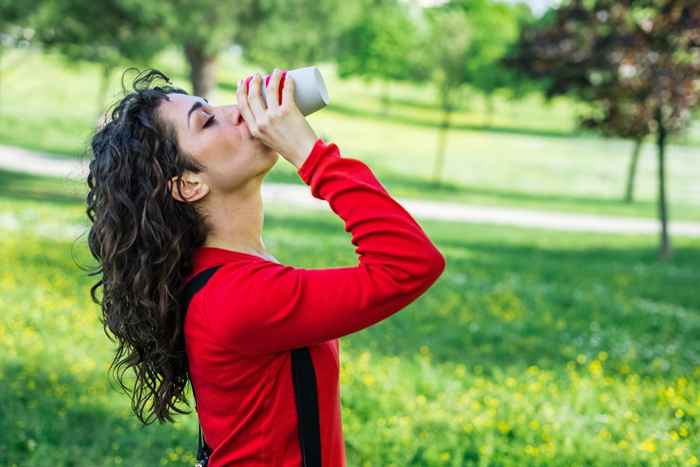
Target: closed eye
(209, 121)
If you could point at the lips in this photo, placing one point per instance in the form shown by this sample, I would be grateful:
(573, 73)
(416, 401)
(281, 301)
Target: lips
(242, 127)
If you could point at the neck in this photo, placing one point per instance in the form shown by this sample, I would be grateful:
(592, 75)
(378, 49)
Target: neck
(237, 220)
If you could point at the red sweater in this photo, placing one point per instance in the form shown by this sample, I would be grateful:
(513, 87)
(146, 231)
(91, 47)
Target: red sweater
(241, 326)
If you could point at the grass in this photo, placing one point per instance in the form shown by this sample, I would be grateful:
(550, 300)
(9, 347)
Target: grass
(534, 348)
(531, 157)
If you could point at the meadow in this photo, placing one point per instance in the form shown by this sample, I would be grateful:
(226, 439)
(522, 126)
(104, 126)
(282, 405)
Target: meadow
(530, 157)
(533, 348)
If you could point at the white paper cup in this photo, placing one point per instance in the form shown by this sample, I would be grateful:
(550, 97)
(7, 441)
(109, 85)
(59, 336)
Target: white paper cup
(310, 93)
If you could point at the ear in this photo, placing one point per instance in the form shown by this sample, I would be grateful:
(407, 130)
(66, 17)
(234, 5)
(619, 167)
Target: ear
(191, 188)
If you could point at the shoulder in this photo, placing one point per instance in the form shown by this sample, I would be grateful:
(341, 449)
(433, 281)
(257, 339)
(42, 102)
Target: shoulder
(248, 282)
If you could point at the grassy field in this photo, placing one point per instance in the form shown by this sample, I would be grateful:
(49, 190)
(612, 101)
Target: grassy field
(530, 158)
(534, 348)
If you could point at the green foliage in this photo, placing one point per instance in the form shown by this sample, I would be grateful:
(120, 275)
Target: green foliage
(292, 34)
(533, 348)
(384, 43)
(14, 13)
(466, 42)
(209, 25)
(494, 29)
(449, 40)
(105, 32)
(204, 29)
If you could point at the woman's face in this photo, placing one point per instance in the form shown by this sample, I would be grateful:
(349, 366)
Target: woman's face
(231, 155)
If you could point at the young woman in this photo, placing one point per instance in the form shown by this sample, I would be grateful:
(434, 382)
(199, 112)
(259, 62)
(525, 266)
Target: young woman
(175, 189)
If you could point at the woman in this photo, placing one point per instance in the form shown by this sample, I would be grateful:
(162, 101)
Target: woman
(175, 189)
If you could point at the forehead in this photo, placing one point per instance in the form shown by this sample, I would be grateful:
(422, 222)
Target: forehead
(175, 110)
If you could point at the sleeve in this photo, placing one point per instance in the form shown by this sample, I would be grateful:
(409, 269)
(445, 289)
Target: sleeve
(264, 307)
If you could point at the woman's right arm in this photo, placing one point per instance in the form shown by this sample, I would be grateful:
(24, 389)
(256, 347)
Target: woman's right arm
(256, 306)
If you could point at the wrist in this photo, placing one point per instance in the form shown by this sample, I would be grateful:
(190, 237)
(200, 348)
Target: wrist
(302, 151)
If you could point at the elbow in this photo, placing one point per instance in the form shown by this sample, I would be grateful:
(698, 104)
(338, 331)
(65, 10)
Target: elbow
(437, 265)
(433, 266)
(418, 274)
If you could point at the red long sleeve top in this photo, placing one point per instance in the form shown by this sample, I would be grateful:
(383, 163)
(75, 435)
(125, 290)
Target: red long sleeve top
(241, 326)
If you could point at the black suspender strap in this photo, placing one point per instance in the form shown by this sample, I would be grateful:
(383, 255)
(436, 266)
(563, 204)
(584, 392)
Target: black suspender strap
(307, 407)
(194, 286)
(305, 391)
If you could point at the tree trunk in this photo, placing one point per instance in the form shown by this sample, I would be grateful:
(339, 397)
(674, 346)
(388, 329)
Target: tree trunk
(102, 91)
(665, 245)
(442, 143)
(385, 98)
(202, 70)
(632, 171)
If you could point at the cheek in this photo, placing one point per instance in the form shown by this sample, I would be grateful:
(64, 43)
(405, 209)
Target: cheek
(232, 167)
(222, 148)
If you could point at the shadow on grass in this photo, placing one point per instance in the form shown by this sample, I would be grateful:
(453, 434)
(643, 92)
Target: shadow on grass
(47, 424)
(16, 130)
(26, 187)
(407, 120)
(393, 180)
(518, 306)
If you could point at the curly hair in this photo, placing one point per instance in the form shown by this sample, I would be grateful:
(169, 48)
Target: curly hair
(143, 240)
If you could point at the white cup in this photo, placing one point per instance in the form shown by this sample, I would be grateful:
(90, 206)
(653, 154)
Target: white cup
(310, 92)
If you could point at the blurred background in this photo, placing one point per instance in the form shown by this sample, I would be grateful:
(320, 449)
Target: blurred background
(550, 149)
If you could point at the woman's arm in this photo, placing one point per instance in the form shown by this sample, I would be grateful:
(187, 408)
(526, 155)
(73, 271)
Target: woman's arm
(261, 306)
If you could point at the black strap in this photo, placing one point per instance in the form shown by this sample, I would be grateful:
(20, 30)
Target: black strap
(307, 407)
(305, 391)
(195, 285)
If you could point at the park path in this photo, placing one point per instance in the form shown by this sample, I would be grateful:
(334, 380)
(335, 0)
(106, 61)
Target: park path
(297, 195)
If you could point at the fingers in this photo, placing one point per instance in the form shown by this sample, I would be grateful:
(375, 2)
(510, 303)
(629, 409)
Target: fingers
(288, 92)
(255, 100)
(242, 99)
(273, 90)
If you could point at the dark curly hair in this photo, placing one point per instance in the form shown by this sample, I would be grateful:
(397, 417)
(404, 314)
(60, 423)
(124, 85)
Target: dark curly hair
(143, 240)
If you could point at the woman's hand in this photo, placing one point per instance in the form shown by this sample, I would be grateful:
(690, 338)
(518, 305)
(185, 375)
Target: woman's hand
(281, 127)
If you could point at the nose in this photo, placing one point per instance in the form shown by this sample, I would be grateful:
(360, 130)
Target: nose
(237, 116)
(232, 111)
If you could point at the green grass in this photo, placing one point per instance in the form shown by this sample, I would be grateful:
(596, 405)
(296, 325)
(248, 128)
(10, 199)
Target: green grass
(533, 348)
(530, 157)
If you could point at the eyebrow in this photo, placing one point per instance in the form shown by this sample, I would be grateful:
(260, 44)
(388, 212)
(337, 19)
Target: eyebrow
(194, 107)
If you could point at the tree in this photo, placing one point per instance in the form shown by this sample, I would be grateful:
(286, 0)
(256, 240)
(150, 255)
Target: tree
(461, 45)
(283, 39)
(636, 62)
(381, 44)
(448, 41)
(204, 28)
(495, 28)
(106, 33)
(620, 120)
